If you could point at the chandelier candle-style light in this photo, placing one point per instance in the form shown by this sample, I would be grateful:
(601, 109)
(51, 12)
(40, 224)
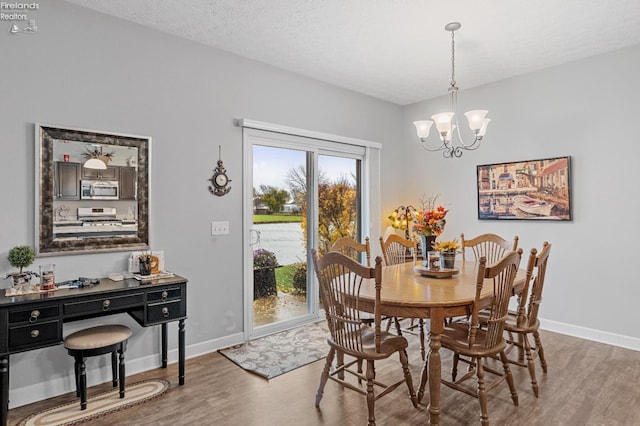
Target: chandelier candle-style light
(447, 122)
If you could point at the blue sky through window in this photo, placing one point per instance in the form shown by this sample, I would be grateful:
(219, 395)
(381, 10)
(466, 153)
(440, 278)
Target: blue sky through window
(271, 165)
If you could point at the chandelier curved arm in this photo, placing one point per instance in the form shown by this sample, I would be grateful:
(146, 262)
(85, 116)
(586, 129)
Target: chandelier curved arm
(473, 145)
(425, 142)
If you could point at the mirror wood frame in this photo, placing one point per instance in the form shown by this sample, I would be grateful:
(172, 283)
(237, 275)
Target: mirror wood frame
(46, 245)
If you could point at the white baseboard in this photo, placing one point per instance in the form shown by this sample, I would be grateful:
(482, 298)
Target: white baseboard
(61, 385)
(614, 339)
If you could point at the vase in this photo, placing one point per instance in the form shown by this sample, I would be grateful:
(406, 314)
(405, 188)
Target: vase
(449, 259)
(427, 244)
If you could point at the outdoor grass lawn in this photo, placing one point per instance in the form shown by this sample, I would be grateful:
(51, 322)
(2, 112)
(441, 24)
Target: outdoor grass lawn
(274, 218)
(284, 277)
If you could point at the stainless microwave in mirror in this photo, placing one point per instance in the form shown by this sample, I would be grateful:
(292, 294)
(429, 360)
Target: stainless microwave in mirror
(79, 171)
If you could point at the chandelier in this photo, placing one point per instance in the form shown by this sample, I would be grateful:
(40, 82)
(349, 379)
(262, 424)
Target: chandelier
(447, 122)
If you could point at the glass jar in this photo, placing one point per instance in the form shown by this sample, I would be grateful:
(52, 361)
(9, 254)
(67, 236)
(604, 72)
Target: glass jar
(47, 278)
(433, 262)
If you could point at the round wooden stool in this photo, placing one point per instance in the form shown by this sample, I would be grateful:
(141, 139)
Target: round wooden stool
(97, 341)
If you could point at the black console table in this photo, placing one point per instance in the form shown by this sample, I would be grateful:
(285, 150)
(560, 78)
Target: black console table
(34, 321)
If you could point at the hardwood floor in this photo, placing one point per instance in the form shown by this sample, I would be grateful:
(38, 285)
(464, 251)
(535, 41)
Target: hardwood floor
(588, 384)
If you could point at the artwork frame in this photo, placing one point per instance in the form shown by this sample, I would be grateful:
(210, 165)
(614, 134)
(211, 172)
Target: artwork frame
(537, 190)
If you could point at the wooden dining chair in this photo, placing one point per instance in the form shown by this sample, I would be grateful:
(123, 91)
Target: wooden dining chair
(353, 249)
(492, 246)
(394, 250)
(340, 280)
(524, 322)
(471, 344)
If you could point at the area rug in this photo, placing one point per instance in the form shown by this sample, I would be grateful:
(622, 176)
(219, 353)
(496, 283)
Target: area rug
(279, 353)
(98, 405)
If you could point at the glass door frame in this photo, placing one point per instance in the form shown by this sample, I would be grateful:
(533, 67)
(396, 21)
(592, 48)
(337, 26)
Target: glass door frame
(315, 144)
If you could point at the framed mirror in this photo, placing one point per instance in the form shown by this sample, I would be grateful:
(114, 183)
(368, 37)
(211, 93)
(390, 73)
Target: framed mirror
(92, 191)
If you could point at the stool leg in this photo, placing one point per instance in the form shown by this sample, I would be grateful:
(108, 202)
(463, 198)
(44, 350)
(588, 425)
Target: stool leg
(76, 372)
(114, 368)
(121, 351)
(83, 382)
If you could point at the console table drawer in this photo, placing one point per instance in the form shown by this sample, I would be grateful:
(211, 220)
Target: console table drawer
(104, 304)
(35, 335)
(159, 312)
(164, 295)
(33, 315)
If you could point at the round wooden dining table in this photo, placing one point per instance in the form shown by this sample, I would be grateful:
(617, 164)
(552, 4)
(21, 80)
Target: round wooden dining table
(408, 294)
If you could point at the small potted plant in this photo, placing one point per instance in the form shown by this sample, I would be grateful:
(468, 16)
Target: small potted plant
(21, 257)
(264, 275)
(448, 249)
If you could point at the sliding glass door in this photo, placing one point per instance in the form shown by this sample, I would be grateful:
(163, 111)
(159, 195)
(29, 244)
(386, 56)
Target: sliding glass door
(305, 194)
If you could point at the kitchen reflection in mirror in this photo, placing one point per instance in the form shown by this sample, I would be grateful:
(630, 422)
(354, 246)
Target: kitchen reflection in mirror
(92, 191)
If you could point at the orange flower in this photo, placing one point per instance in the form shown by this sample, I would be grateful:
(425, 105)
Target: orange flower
(431, 220)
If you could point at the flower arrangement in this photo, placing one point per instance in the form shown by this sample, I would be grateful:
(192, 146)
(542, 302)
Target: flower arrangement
(431, 219)
(446, 246)
(264, 259)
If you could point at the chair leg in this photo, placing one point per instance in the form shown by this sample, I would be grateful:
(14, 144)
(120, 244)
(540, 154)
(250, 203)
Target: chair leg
(398, 328)
(371, 399)
(507, 372)
(324, 376)
(482, 393)
(530, 365)
(114, 368)
(121, 352)
(389, 321)
(454, 368)
(520, 348)
(423, 352)
(404, 360)
(340, 363)
(543, 362)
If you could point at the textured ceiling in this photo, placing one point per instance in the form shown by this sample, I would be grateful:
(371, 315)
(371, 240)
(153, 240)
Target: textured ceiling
(395, 50)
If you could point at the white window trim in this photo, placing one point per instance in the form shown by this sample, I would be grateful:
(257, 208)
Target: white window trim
(371, 181)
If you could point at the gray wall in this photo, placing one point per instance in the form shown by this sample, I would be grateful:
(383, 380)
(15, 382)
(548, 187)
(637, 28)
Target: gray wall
(90, 70)
(588, 110)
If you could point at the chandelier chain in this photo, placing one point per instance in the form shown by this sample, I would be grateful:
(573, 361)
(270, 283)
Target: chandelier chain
(453, 59)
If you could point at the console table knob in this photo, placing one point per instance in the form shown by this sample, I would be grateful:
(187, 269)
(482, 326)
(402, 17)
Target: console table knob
(35, 333)
(106, 304)
(34, 316)
(165, 312)
(164, 296)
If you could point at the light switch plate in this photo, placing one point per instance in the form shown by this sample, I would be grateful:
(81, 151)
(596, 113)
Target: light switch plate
(220, 228)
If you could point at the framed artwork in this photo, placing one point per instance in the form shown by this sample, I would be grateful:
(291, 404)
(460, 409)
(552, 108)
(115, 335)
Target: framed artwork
(525, 190)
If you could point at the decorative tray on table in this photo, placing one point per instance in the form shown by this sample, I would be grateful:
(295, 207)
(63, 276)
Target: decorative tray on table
(441, 273)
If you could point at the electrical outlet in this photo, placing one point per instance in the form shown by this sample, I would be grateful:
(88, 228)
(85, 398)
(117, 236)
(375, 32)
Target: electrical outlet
(220, 228)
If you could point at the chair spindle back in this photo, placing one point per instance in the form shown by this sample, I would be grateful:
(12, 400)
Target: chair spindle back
(353, 249)
(501, 275)
(394, 249)
(492, 246)
(340, 279)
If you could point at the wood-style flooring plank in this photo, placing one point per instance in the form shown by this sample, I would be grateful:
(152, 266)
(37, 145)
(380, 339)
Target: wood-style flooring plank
(588, 383)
